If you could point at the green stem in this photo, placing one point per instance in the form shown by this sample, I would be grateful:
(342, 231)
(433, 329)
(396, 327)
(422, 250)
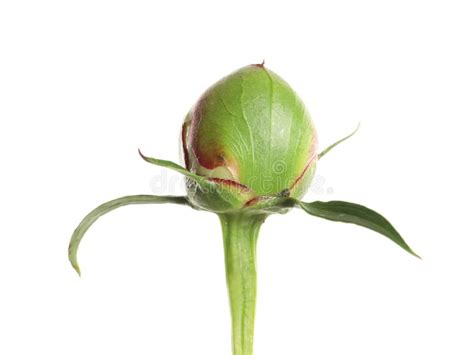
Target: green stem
(240, 233)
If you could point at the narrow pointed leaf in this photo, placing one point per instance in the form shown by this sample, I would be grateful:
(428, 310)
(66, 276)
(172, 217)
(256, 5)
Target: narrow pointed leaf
(221, 194)
(347, 212)
(107, 207)
(178, 168)
(328, 149)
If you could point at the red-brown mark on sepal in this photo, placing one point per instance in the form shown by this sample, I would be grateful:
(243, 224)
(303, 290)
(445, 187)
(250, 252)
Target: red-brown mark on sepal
(298, 179)
(211, 161)
(232, 183)
(313, 156)
(184, 134)
(257, 199)
(197, 112)
(213, 156)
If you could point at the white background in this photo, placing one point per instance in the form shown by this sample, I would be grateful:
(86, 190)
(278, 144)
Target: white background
(83, 84)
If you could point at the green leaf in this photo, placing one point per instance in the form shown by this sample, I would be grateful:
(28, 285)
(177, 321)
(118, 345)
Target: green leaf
(107, 207)
(347, 212)
(215, 195)
(178, 168)
(328, 149)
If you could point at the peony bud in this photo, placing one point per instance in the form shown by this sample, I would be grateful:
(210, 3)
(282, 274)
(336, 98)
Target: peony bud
(250, 132)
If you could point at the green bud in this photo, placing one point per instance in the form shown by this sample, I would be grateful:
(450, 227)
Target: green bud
(251, 134)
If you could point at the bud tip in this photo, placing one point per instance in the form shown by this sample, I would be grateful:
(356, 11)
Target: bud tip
(261, 65)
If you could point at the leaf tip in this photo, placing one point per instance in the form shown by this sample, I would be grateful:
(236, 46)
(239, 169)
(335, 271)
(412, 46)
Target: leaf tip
(141, 155)
(328, 149)
(357, 128)
(409, 250)
(415, 254)
(72, 253)
(76, 268)
(147, 159)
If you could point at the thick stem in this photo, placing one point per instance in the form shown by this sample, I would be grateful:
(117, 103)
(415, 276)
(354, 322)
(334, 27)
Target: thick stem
(240, 233)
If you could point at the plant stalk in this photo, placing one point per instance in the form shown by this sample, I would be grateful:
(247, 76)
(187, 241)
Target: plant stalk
(240, 232)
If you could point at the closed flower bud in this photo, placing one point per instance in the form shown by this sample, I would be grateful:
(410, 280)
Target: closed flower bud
(251, 134)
